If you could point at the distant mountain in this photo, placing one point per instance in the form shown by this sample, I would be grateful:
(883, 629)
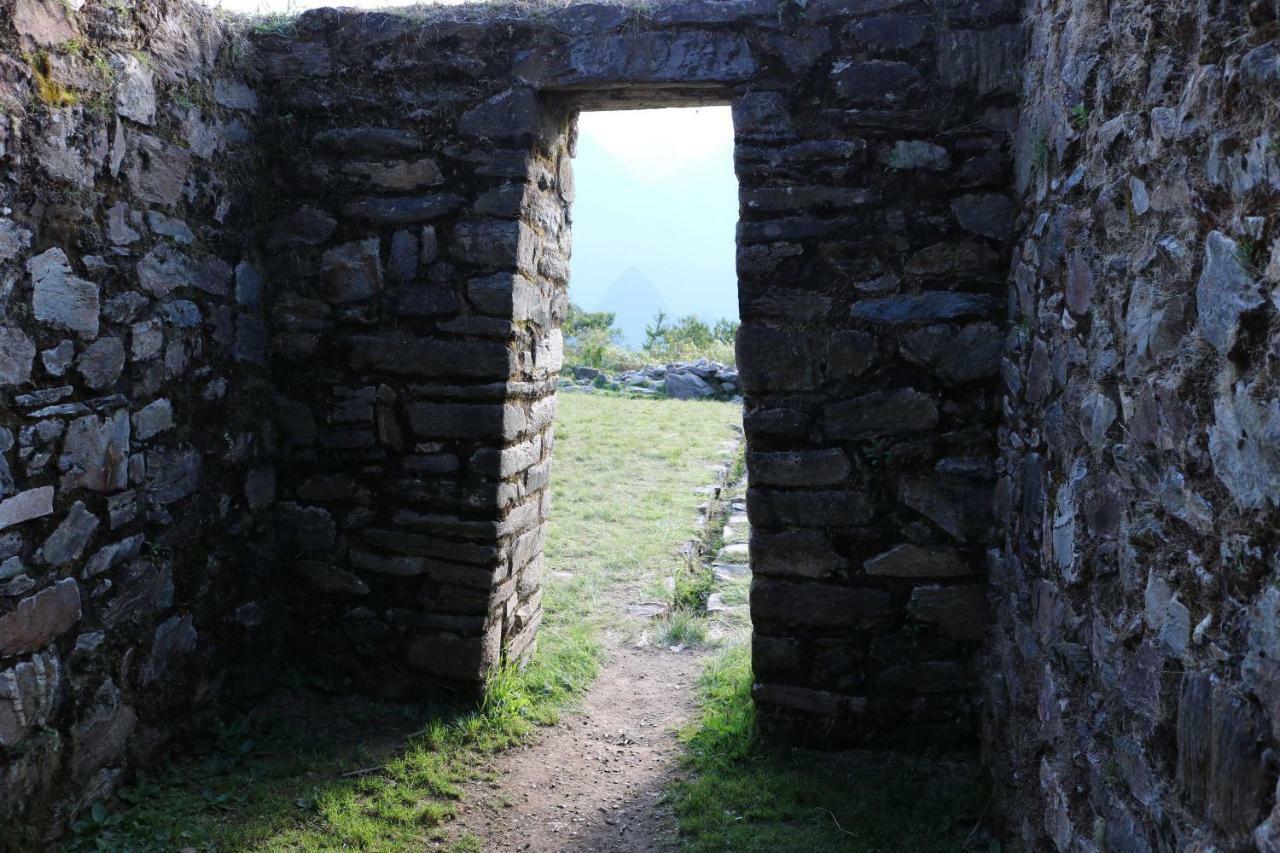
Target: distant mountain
(634, 298)
(643, 246)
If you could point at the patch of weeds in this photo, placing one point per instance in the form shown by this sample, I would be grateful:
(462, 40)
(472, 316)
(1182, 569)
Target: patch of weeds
(1249, 252)
(49, 91)
(695, 581)
(682, 627)
(1080, 117)
(745, 797)
(467, 843)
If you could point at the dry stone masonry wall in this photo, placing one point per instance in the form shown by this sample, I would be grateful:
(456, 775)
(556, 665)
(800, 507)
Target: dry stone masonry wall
(280, 339)
(1133, 700)
(136, 578)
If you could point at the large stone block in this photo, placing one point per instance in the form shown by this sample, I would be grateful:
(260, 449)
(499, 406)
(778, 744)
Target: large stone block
(799, 468)
(351, 272)
(881, 413)
(40, 619)
(772, 508)
(59, 298)
(639, 59)
(818, 605)
(433, 357)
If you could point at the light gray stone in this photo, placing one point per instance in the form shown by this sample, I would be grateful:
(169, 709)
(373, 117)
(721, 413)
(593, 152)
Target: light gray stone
(152, 419)
(24, 506)
(59, 298)
(146, 340)
(110, 555)
(1225, 292)
(57, 359)
(29, 694)
(1244, 444)
(67, 541)
(101, 363)
(687, 386)
(17, 354)
(95, 452)
(164, 269)
(135, 89)
(918, 154)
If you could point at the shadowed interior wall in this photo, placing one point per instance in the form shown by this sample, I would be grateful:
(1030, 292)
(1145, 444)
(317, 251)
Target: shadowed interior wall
(280, 337)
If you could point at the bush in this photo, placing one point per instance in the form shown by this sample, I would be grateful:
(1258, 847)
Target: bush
(591, 340)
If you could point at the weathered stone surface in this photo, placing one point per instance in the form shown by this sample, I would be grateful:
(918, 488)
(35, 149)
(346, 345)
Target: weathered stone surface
(68, 540)
(507, 115)
(1243, 446)
(24, 506)
(961, 355)
(43, 23)
(40, 619)
(880, 413)
(769, 508)
(59, 298)
(101, 362)
(1225, 292)
(799, 468)
(351, 272)
(640, 58)
(988, 214)
(152, 419)
(17, 352)
(961, 509)
(95, 452)
(819, 605)
(918, 154)
(172, 474)
(877, 81)
(157, 170)
(100, 737)
(959, 611)
(936, 307)
(329, 578)
(29, 694)
(174, 637)
(403, 210)
(135, 89)
(918, 561)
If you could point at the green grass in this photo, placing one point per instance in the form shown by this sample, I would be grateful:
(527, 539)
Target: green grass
(742, 797)
(320, 771)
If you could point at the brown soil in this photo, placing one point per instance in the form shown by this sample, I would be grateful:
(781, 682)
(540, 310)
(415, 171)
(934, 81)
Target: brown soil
(595, 781)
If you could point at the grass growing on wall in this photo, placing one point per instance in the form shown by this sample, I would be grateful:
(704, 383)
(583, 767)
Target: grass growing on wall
(746, 798)
(330, 772)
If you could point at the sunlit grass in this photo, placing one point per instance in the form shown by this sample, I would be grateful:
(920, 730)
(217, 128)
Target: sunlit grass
(743, 797)
(332, 772)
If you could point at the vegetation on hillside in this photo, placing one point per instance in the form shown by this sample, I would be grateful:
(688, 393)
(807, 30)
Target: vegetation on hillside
(592, 340)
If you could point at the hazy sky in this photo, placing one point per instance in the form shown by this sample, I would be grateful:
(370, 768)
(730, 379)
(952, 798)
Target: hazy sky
(656, 194)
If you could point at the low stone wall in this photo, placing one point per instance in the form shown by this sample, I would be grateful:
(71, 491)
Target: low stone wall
(1132, 690)
(137, 582)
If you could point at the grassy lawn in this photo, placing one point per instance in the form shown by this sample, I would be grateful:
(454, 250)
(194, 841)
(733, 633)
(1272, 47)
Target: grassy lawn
(319, 771)
(742, 797)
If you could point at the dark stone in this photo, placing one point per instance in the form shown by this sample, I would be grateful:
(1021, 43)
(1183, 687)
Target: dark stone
(769, 508)
(935, 307)
(877, 82)
(506, 116)
(370, 142)
(795, 553)
(988, 214)
(404, 210)
(880, 413)
(918, 561)
(799, 468)
(432, 357)
(306, 226)
(773, 359)
(959, 611)
(818, 605)
(351, 272)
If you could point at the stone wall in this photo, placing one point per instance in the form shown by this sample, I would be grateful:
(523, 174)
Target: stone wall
(135, 451)
(423, 266)
(1132, 703)
(329, 263)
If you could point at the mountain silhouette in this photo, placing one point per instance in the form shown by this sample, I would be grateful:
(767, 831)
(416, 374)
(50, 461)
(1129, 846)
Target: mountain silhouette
(635, 299)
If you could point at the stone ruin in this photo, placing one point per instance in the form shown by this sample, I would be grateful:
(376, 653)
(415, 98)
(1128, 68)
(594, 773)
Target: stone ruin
(280, 341)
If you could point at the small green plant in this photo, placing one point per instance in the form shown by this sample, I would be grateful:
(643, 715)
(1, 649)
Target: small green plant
(96, 830)
(49, 91)
(1249, 251)
(682, 627)
(1080, 117)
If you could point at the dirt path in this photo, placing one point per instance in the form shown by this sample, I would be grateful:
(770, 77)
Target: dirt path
(594, 782)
